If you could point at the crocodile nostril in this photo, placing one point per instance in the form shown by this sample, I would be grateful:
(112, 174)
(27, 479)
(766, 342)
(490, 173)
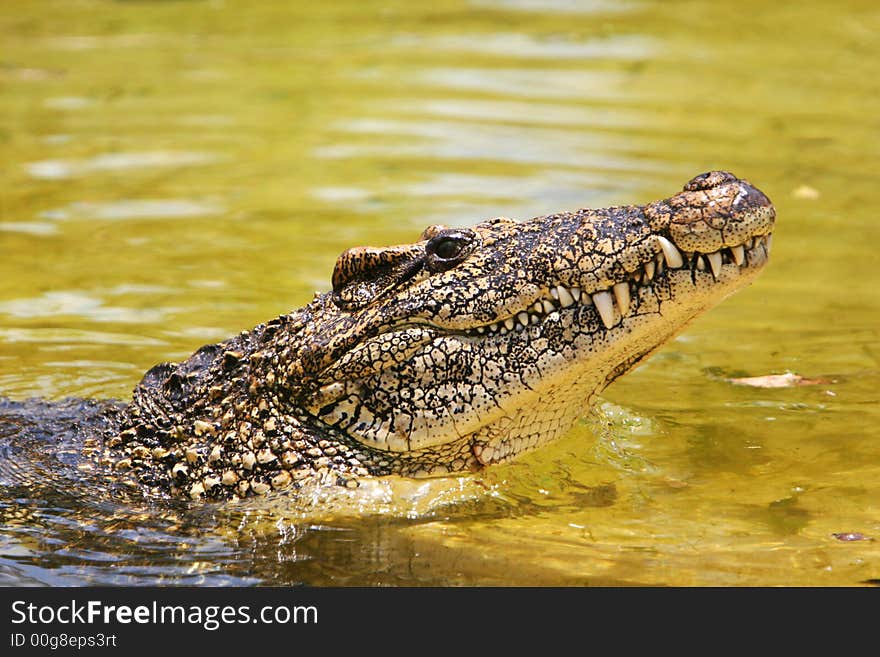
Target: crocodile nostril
(709, 180)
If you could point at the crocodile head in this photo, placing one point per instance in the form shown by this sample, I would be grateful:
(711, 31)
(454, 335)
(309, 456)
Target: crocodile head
(472, 345)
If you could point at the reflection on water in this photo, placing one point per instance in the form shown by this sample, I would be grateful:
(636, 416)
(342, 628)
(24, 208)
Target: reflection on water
(558, 6)
(495, 143)
(123, 209)
(527, 113)
(173, 179)
(29, 227)
(538, 83)
(55, 169)
(509, 46)
(67, 103)
(75, 303)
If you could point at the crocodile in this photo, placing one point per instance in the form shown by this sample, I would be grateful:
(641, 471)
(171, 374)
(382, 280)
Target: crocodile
(463, 349)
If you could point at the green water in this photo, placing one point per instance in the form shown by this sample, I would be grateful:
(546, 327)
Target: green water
(172, 172)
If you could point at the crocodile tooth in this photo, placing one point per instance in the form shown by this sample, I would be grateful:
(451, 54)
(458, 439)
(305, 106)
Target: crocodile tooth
(649, 270)
(481, 329)
(750, 243)
(621, 293)
(768, 242)
(564, 296)
(670, 252)
(701, 264)
(715, 262)
(659, 260)
(576, 293)
(523, 318)
(503, 330)
(535, 319)
(554, 292)
(537, 307)
(509, 323)
(548, 307)
(739, 255)
(492, 327)
(605, 305)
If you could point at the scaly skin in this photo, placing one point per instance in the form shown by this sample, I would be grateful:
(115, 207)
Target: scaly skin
(463, 349)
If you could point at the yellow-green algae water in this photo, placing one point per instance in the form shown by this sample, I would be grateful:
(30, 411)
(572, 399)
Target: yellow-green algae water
(174, 172)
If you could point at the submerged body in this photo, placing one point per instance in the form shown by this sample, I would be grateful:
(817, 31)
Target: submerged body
(463, 349)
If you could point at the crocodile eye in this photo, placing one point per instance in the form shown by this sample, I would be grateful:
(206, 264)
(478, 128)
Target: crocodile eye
(448, 248)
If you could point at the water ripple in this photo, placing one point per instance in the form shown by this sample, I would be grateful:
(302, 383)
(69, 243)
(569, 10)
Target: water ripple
(123, 209)
(559, 6)
(503, 143)
(525, 113)
(67, 102)
(512, 45)
(59, 169)
(102, 42)
(529, 83)
(39, 228)
(59, 303)
(65, 336)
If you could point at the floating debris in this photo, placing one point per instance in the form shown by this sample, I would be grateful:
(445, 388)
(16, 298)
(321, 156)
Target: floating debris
(787, 380)
(806, 192)
(851, 536)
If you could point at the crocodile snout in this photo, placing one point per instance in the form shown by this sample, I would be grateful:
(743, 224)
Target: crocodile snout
(723, 184)
(709, 180)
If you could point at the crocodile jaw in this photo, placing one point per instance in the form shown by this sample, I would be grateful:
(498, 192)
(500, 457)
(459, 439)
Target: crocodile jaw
(474, 366)
(612, 331)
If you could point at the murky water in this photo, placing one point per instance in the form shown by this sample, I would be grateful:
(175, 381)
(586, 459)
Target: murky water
(174, 172)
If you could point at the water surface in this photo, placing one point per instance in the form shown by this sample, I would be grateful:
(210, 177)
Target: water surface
(174, 172)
